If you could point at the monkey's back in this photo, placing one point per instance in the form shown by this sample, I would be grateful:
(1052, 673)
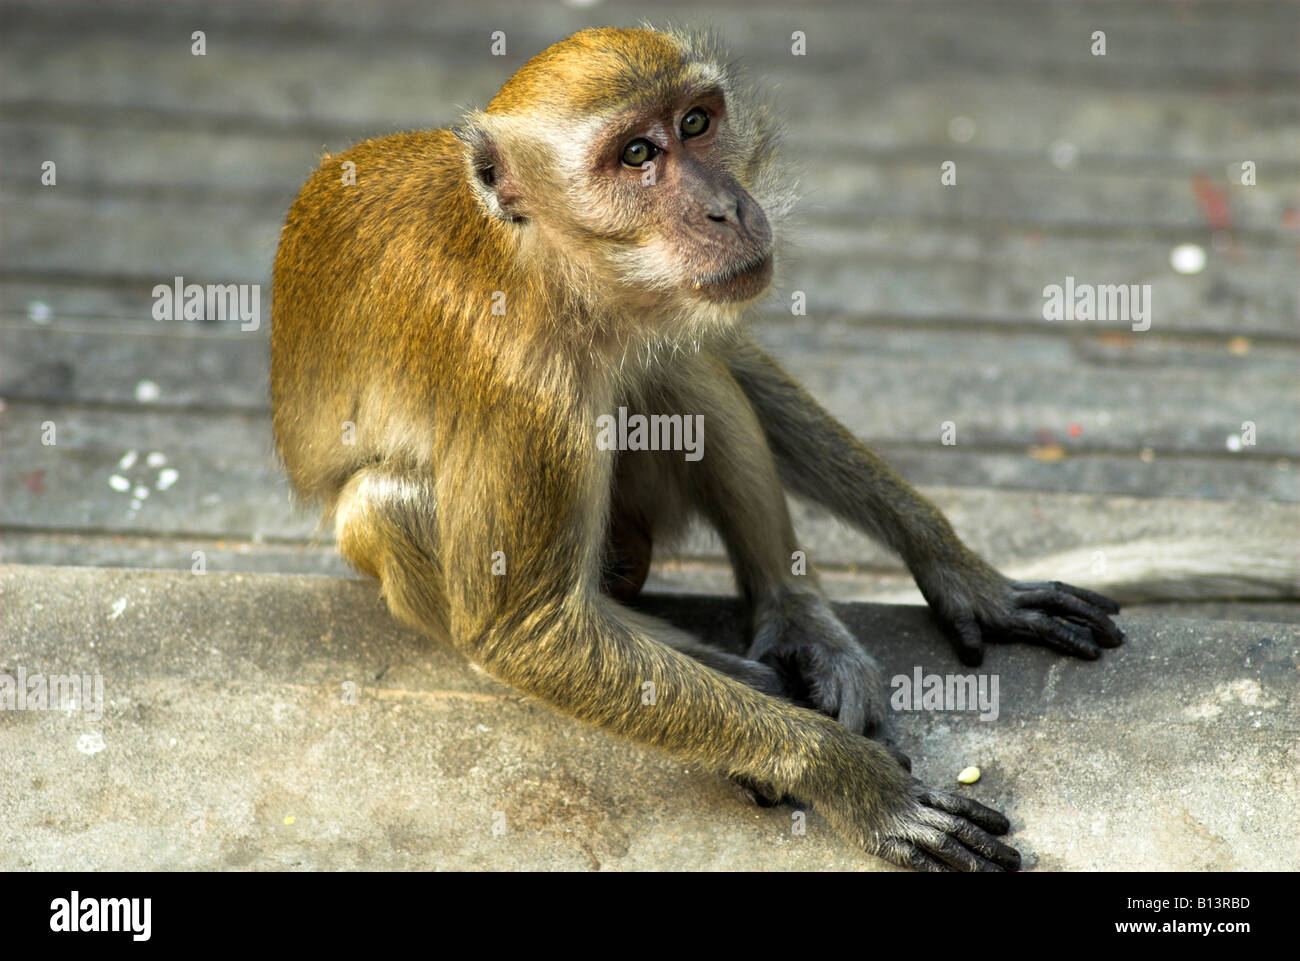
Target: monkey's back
(370, 289)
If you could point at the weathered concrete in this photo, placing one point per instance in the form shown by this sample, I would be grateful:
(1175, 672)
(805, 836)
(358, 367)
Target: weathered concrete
(228, 743)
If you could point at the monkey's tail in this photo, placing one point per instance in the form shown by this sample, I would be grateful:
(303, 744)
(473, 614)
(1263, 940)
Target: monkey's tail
(1169, 569)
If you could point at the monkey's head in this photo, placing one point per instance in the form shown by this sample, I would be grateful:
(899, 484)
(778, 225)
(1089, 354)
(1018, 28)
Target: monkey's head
(637, 156)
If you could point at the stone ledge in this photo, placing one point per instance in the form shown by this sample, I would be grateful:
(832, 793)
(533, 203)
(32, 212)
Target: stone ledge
(227, 743)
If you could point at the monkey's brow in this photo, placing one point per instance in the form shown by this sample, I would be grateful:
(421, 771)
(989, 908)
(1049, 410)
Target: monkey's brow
(649, 104)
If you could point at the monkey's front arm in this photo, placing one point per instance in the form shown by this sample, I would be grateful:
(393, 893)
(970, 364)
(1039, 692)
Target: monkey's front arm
(540, 625)
(978, 604)
(821, 460)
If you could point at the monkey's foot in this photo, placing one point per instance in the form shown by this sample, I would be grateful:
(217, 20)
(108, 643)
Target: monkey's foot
(876, 803)
(820, 661)
(946, 832)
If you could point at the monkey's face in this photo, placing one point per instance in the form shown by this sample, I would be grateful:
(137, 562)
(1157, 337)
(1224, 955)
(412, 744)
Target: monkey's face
(660, 188)
(629, 156)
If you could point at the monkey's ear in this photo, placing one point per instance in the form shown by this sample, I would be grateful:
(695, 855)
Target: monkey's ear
(489, 175)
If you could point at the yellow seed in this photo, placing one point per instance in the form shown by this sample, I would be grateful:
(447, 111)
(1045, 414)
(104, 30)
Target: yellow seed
(969, 775)
(1049, 453)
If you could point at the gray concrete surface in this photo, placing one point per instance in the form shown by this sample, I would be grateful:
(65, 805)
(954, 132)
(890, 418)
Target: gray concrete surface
(226, 741)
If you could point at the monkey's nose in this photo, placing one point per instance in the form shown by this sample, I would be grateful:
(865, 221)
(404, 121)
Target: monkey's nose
(723, 209)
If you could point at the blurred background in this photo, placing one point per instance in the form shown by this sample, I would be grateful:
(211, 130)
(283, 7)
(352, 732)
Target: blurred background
(924, 300)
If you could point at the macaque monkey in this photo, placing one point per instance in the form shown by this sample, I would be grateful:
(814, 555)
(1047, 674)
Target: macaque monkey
(449, 331)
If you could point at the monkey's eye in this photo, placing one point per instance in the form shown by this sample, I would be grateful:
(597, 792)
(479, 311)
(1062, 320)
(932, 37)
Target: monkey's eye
(695, 122)
(638, 152)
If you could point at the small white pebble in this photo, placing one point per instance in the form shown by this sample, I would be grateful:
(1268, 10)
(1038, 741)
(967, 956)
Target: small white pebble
(961, 129)
(1187, 258)
(119, 483)
(128, 460)
(147, 391)
(38, 312)
(1234, 443)
(1064, 154)
(156, 459)
(140, 493)
(969, 775)
(167, 477)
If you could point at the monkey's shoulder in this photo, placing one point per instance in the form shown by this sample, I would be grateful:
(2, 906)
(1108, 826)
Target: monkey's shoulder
(412, 156)
(401, 197)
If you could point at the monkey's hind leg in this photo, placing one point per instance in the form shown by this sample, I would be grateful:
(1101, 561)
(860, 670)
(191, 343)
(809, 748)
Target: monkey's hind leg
(819, 658)
(761, 677)
(384, 521)
(627, 554)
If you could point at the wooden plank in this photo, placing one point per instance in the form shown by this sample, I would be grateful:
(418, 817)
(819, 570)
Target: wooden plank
(231, 475)
(1204, 43)
(1000, 390)
(164, 166)
(1245, 288)
(227, 482)
(228, 485)
(156, 551)
(822, 109)
(987, 190)
(668, 575)
(887, 267)
(862, 191)
(192, 365)
(885, 270)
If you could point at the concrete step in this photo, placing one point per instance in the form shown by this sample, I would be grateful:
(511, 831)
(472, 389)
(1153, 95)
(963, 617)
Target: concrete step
(259, 721)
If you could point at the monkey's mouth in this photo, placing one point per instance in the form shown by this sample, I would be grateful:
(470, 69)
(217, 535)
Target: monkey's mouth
(745, 281)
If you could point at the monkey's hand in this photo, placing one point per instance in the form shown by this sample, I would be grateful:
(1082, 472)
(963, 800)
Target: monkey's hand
(978, 604)
(891, 814)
